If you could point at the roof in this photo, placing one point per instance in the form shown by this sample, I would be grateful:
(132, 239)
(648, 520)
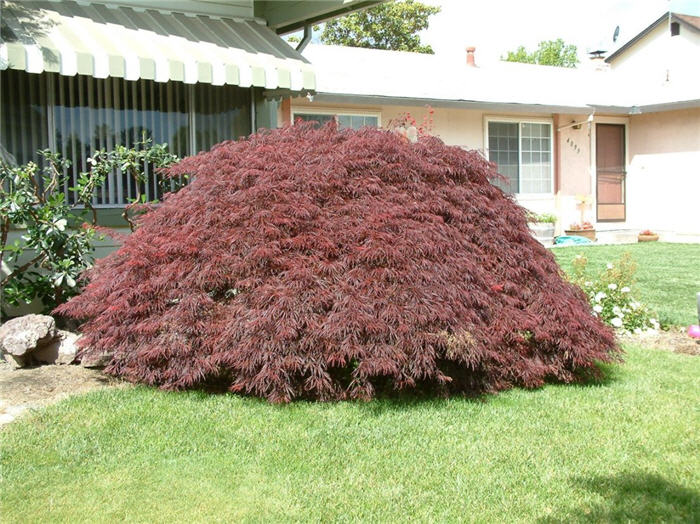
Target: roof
(108, 41)
(371, 76)
(690, 21)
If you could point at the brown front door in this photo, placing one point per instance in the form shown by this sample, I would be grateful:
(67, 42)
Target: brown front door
(610, 172)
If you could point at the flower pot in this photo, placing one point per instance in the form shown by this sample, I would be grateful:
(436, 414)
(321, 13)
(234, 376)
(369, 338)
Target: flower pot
(585, 233)
(543, 232)
(647, 238)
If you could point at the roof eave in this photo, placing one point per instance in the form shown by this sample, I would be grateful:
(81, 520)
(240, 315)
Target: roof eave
(639, 36)
(348, 98)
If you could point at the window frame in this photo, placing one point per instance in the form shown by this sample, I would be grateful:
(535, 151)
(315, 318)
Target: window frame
(343, 112)
(519, 121)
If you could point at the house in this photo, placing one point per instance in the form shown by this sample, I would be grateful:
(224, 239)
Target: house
(78, 76)
(75, 76)
(625, 147)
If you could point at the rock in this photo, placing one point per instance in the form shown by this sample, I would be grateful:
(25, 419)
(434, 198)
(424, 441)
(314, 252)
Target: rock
(97, 361)
(20, 337)
(16, 362)
(61, 350)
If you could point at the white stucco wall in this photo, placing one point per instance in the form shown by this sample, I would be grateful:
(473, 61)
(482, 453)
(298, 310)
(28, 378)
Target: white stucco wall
(658, 56)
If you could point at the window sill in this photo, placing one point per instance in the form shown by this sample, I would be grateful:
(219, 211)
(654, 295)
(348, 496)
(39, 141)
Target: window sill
(534, 196)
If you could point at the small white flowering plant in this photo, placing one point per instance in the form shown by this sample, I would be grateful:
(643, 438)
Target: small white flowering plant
(610, 293)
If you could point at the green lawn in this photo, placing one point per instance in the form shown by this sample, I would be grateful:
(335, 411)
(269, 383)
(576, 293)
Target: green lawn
(625, 449)
(668, 275)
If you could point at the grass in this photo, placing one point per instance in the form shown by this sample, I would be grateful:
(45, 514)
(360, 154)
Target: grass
(624, 449)
(668, 275)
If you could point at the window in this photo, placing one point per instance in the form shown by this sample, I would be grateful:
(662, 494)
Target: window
(675, 29)
(523, 153)
(345, 120)
(74, 115)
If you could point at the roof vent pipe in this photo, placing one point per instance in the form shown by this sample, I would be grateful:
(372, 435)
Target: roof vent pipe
(470, 56)
(598, 60)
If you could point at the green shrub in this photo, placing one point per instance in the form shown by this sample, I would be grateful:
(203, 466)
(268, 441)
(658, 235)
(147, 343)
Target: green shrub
(57, 241)
(541, 218)
(611, 294)
(56, 244)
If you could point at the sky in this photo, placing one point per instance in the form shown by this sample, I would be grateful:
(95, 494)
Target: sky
(497, 26)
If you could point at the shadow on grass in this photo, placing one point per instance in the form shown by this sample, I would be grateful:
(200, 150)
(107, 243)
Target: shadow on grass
(387, 398)
(633, 497)
(605, 375)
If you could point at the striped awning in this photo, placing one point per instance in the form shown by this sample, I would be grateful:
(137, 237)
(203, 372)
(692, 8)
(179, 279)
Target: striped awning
(106, 41)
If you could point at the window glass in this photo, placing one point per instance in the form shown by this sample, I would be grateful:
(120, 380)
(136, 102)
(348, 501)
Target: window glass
(536, 167)
(345, 121)
(308, 117)
(503, 150)
(221, 113)
(23, 122)
(523, 154)
(92, 113)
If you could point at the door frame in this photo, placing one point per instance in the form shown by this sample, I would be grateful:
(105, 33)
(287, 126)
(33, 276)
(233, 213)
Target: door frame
(594, 162)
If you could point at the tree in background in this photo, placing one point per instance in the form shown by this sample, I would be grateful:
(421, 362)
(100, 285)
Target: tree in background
(392, 25)
(549, 52)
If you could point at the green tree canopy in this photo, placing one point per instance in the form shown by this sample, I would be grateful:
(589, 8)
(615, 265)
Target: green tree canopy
(392, 25)
(548, 52)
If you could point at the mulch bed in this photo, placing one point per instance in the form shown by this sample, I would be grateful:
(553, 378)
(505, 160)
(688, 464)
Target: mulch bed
(676, 340)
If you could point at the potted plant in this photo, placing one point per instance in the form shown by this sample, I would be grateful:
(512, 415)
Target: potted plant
(584, 229)
(647, 236)
(542, 227)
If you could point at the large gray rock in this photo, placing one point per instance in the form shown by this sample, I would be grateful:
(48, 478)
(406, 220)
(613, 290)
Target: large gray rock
(61, 350)
(97, 361)
(20, 337)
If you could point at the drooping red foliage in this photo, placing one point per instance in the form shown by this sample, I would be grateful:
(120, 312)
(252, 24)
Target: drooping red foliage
(320, 263)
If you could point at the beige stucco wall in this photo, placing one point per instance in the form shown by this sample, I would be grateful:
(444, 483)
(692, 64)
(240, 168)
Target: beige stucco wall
(575, 153)
(663, 179)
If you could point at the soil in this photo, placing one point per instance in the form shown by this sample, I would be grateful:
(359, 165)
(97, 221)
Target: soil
(675, 340)
(26, 388)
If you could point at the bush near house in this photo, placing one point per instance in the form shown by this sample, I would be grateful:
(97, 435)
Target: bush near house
(57, 242)
(58, 235)
(667, 277)
(326, 263)
(610, 293)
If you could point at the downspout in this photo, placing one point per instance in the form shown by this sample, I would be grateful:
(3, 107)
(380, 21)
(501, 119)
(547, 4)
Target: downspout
(306, 39)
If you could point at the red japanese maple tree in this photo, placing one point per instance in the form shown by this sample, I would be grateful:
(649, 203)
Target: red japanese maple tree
(321, 263)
